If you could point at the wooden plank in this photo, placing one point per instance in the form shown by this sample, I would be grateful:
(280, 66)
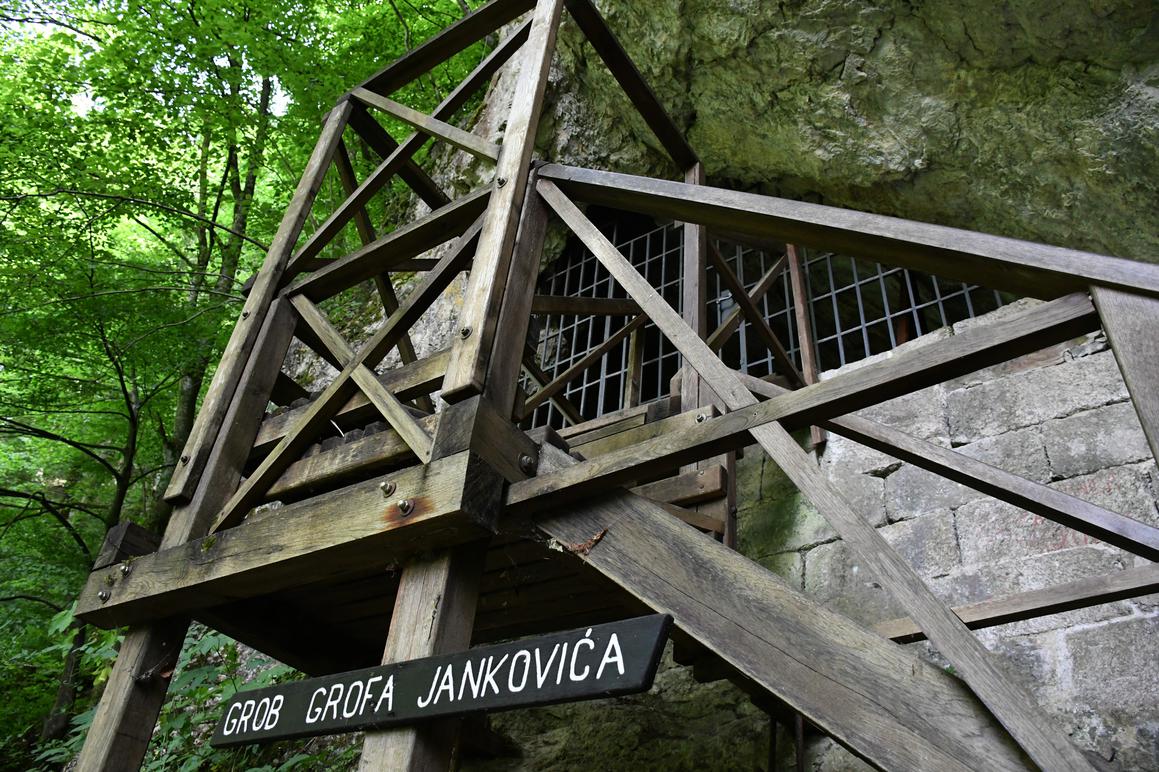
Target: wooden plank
(1009, 702)
(694, 295)
(882, 702)
(287, 390)
(383, 173)
(570, 306)
(1123, 532)
(471, 352)
(386, 403)
(805, 337)
(382, 282)
(433, 614)
(728, 326)
(583, 363)
(406, 382)
(596, 30)
(692, 487)
(381, 142)
(1132, 325)
(458, 36)
(344, 533)
(125, 540)
(449, 133)
(1081, 593)
(408, 241)
(320, 412)
(241, 341)
(633, 379)
(132, 698)
(756, 319)
(1000, 263)
(541, 379)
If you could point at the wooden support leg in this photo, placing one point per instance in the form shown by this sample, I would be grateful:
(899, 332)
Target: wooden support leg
(433, 614)
(1132, 325)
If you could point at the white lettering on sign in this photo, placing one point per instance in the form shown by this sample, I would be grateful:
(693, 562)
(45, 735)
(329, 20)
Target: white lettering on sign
(264, 714)
(349, 700)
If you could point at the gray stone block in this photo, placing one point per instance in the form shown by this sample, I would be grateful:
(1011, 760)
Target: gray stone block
(911, 492)
(1020, 452)
(1033, 396)
(1095, 439)
(921, 414)
(855, 457)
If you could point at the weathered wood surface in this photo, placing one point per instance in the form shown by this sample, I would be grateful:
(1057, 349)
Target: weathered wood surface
(241, 341)
(406, 382)
(354, 529)
(694, 294)
(125, 540)
(691, 487)
(433, 614)
(449, 133)
(604, 41)
(410, 240)
(382, 174)
(1081, 593)
(320, 412)
(1111, 527)
(1132, 325)
(805, 337)
(671, 447)
(885, 704)
(1008, 701)
(540, 378)
(728, 326)
(1017, 266)
(470, 355)
(572, 306)
(381, 142)
(465, 32)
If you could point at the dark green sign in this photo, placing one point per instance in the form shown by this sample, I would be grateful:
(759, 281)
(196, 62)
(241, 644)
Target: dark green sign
(592, 662)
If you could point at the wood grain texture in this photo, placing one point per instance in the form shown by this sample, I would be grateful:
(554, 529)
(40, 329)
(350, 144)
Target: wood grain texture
(410, 240)
(382, 174)
(728, 326)
(449, 133)
(470, 355)
(1008, 701)
(1132, 325)
(237, 351)
(885, 704)
(1081, 593)
(1023, 267)
(380, 141)
(559, 305)
(343, 533)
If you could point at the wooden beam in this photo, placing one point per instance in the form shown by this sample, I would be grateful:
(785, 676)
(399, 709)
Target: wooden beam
(391, 164)
(694, 295)
(583, 363)
(410, 240)
(596, 30)
(345, 533)
(127, 711)
(322, 410)
(730, 323)
(241, 341)
(1000, 263)
(125, 540)
(756, 319)
(382, 282)
(541, 379)
(692, 487)
(1081, 593)
(471, 352)
(449, 133)
(464, 33)
(571, 306)
(434, 612)
(1132, 325)
(883, 702)
(1123, 532)
(1010, 703)
(389, 406)
(380, 141)
(803, 319)
(406, 382)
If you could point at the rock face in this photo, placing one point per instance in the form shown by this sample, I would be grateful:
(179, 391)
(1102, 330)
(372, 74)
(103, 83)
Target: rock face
(1023, 118)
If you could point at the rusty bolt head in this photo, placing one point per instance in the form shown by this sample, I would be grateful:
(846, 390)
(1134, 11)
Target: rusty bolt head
(104, 595)
(527, 464)
(406, 506)
(464, 332)
(387, 487)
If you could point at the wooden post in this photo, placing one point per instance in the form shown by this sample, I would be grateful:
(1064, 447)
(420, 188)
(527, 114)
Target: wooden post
(804, 330)
(1132, 325)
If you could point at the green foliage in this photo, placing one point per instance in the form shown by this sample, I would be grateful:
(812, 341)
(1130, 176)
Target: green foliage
(146, 154)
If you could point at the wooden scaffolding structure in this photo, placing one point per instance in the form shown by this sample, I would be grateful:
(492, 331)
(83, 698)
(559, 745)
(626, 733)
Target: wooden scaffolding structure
(457, 527)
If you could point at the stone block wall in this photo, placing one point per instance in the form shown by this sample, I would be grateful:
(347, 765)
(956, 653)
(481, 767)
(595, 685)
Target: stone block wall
(1059, 417)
